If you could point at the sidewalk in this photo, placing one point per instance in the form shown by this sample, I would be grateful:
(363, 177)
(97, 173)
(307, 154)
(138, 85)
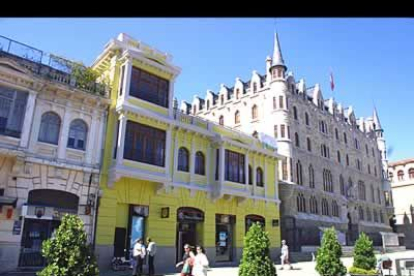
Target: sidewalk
(299, 269)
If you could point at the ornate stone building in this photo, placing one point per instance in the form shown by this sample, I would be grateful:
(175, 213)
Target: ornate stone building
(334, 171)
(51, 137)
(401, 175)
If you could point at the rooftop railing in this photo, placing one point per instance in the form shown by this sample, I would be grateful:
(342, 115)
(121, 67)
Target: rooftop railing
(47, 65)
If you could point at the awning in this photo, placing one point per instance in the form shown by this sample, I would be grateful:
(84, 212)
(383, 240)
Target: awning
(6, 200)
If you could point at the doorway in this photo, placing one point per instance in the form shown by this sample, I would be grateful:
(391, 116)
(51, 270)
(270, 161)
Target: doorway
(224, 237)
(35, 232)
(189, 229)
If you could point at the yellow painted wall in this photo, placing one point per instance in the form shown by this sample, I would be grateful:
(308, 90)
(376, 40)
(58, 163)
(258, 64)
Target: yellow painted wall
(114, 212)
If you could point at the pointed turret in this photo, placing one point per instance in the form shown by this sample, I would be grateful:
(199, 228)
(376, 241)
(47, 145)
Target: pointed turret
(277, 54)
(278, 67)
(377, 124)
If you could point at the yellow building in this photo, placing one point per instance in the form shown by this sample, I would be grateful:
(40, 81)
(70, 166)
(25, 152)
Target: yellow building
(175, 177)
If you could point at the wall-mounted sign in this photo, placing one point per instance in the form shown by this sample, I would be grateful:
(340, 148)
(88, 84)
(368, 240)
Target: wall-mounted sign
(17, 227)
(165, 212)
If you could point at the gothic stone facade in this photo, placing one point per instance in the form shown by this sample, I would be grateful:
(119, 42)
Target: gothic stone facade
(334, 171)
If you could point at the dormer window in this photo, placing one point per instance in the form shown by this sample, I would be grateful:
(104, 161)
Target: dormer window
(254, 87)
(237, 93)
(208, 104)
(194, 109)
(221, 99)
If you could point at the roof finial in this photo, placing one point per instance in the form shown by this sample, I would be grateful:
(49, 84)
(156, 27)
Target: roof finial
(376, 120)
(277, 53)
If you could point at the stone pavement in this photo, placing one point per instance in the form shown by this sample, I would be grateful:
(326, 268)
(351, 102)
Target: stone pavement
(299, 269)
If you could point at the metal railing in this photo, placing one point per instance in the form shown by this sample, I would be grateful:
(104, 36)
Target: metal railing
(47, 65)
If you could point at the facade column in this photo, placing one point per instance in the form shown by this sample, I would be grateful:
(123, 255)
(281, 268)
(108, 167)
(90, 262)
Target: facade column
(276, 178)
(170, 97)
(121, 139)
(63, 139)
(175, 161)
(265, 176)
(28, 119)
(254, 175)
(221, 165)
(91, 144)
(246, 171)
(208, 158)
(168, 153)
(101, 141)
(127, 80)
(192, 158)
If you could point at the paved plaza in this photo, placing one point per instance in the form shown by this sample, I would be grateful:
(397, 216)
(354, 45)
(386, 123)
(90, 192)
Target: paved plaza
(299, 269)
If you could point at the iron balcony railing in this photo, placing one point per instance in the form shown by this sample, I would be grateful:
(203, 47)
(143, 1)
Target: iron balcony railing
(47, 65)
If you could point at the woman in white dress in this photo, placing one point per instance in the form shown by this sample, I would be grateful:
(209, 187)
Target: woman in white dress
(200, 262)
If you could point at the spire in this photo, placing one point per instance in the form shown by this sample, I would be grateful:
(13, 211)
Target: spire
(376, 120)
(277, 53)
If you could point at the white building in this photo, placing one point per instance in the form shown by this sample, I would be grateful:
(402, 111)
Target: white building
(336, 163)
(51, 139)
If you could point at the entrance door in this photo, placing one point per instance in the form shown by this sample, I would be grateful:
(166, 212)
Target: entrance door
(223, 242)
(35, 231)
(187, 234)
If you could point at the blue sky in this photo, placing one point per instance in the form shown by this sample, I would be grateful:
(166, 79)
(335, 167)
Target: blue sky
(372, 59)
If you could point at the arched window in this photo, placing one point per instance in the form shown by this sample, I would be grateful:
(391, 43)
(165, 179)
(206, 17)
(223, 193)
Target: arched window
(295, 113)
(237, 117)
(313, 205)
(361, 190)
(281, 101)
(306, 118)
(301, 203)
(339, 156)
(250, 175)
(77, 135)
(275, 131)
(297, 143)
(254, 112)
(369, 216)
(254, 87)
(311, 177)
(347, 160)
(369, 169)
(381, 217)
(361, 213)
(325, 207)
(350, 187)
(335, 209)
(336, 134)
(390, 175)
(400, 175)
(366, 150)
(379, 195)
(200, 163)
(345, 141)
(274, 103)
(375, 171)
(375, 216)
(49, 128)
(342, 184)
(308, 141)
(221, 120)
(299, 172)
(411, 173)
(183, 163)
(372, 194)
(259, 177)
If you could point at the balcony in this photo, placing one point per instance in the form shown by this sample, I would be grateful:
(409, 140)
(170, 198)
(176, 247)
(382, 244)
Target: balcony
(49, 66)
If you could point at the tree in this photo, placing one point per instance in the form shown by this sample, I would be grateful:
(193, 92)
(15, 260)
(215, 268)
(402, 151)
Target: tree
(256, 259)
(67, 253)
(328, 258)
(364, 257)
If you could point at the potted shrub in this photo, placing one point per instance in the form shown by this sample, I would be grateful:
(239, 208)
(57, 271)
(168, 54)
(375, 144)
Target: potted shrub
(364, 257)
(67, 253)
(328, 258)
(256, 259)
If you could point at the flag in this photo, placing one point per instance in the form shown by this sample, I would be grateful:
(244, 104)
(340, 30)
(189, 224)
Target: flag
(332, 81)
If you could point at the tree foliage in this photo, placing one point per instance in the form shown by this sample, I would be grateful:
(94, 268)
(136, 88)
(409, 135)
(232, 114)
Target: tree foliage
(328, 258)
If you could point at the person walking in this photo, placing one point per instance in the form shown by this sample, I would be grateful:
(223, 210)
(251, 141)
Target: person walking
(139, 255)
(284, 257)
(187, 262)
(200, 262)
(151, 250)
